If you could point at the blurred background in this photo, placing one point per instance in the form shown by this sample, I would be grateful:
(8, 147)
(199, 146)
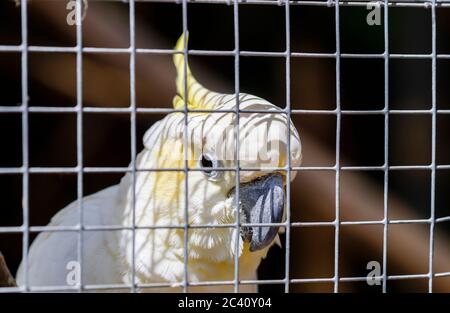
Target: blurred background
(106, 140)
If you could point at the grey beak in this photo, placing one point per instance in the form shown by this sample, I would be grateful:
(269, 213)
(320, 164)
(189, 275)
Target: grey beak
(262, 201)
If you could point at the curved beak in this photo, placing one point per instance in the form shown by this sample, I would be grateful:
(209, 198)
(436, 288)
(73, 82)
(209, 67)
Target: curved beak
(262, 201)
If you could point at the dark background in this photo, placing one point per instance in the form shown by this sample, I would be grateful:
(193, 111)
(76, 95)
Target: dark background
(106, 140)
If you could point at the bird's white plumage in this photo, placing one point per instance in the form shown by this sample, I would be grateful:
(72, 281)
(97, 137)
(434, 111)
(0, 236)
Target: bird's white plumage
(107, 255)
(51, 252)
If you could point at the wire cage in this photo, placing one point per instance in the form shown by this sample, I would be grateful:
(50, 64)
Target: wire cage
(338, 169)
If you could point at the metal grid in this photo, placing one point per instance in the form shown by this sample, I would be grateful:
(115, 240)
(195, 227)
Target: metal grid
(25, 170)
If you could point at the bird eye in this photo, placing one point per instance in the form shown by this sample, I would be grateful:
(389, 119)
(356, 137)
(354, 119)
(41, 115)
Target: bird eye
(207, 161)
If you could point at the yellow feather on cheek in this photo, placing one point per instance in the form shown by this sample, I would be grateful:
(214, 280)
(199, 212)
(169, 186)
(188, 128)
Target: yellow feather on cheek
(169, 185)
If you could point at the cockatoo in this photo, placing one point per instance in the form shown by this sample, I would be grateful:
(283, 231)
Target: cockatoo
(108, 256)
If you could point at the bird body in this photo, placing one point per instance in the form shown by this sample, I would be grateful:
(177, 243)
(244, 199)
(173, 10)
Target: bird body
(155, 201)
(105, 260)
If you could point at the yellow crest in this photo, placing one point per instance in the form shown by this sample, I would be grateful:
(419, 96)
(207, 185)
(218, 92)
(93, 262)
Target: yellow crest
(198, 97)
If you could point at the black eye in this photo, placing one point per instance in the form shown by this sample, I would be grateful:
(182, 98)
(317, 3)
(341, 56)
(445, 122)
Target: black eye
(207, 161)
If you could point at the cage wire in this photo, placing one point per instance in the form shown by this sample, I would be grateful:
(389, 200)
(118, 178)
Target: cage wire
(25, 170)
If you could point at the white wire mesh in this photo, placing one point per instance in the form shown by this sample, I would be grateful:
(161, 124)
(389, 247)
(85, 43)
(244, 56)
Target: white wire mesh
(25, 170)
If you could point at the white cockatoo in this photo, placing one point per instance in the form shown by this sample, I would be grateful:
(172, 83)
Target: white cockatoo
(107, 255)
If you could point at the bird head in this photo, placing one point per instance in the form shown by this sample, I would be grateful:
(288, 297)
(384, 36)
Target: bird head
(196, 155)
